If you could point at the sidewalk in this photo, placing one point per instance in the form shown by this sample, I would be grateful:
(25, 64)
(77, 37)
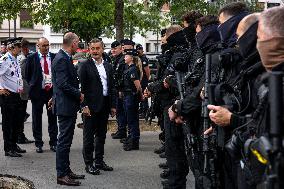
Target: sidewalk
(134, 169)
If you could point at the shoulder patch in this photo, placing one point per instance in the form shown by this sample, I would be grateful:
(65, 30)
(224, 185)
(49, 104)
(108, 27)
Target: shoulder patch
(132, 76)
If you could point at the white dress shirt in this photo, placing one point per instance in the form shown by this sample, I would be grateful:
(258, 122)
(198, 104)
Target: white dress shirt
(46, 78)
(103, 76)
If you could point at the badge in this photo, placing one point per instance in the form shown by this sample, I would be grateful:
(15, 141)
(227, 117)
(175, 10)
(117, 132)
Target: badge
(20, 85)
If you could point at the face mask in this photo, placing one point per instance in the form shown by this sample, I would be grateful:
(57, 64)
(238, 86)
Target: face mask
(206, 37)
(247, 42)
(271, 52)
(227, 30)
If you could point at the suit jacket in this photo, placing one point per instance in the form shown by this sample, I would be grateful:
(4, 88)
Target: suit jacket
(66, 93)
(26, 88)
(92, 88)
(33, 75)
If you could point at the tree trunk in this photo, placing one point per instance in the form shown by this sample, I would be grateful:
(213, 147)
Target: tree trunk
(118, 19)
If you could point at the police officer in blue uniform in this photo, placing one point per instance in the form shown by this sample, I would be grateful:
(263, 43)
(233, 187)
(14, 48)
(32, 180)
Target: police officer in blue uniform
(11, 86)
(119, 67)
(145, 79)
(131, 95)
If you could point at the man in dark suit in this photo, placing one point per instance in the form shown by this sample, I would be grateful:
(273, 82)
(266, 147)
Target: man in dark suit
(66, 103)
(96, 77)
(38, 75)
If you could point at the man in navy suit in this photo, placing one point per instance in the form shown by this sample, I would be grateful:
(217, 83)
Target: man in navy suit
(96, 77)
(66, 103)
(38, 75)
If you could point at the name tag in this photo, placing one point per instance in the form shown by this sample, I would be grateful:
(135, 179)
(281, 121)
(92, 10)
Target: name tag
(47, 79)
(20, 85)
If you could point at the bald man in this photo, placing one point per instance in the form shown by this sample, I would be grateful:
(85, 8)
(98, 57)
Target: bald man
(231, 115)
(38, 76)
(66, 103)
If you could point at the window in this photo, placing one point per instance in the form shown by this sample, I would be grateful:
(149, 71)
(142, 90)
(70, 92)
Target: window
(156, 47)
(148, 47)
(25, 19)
(56, 46)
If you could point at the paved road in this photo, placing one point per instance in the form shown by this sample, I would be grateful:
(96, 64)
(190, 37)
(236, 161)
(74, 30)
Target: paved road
(135, 169)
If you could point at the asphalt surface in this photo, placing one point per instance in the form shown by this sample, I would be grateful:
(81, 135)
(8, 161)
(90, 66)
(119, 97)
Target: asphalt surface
(134, 169)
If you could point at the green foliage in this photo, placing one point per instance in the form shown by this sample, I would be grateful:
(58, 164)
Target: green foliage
(92, 18)
(139, 18)
(27, 24)
(87, 18)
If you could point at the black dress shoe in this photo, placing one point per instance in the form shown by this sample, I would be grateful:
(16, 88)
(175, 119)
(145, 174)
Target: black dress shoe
(160, 150)
(92, 170)
(13, 154)
(164, 165)
(39, 150)
(118, 135)
(25, 141)
(75, 176)
(103, 166)
(66, 180)
(20, 150)
(112, 134)
(165, 174)
(163, 155)
(53, 148)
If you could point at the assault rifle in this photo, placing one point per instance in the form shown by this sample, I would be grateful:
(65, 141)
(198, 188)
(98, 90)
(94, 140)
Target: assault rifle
(269, 149)
(209, 141)
(189, 138)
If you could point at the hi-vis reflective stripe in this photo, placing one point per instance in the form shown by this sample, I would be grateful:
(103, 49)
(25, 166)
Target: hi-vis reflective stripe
(259, 157)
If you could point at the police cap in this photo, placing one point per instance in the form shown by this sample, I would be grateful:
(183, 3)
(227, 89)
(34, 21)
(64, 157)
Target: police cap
(115, 44)
(132, 52)
(139, 47)
(14, 41)
(127, 42)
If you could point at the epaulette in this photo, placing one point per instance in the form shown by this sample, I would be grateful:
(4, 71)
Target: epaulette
(4, 58)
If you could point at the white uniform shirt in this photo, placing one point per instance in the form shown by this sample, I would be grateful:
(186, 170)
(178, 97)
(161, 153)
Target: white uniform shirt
(10, 73)
(103, 76)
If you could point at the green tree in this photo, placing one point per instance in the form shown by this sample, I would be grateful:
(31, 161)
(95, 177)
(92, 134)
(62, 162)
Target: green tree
(118, 19)
(140, 18)
(87, 18)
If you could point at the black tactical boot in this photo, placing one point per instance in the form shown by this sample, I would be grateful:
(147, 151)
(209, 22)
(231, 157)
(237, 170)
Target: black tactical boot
(160, 150)
(125, 140)
(165, 174)
(164, 165)
(133, 144)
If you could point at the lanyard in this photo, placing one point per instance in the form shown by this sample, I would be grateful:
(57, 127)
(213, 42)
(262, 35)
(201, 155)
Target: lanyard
(15, 65)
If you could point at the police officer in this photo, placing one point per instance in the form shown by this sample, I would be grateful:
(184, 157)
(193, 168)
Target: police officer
(131, 95)
(3, 49)
(118, 67)
(11, 86)
(145, 79)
